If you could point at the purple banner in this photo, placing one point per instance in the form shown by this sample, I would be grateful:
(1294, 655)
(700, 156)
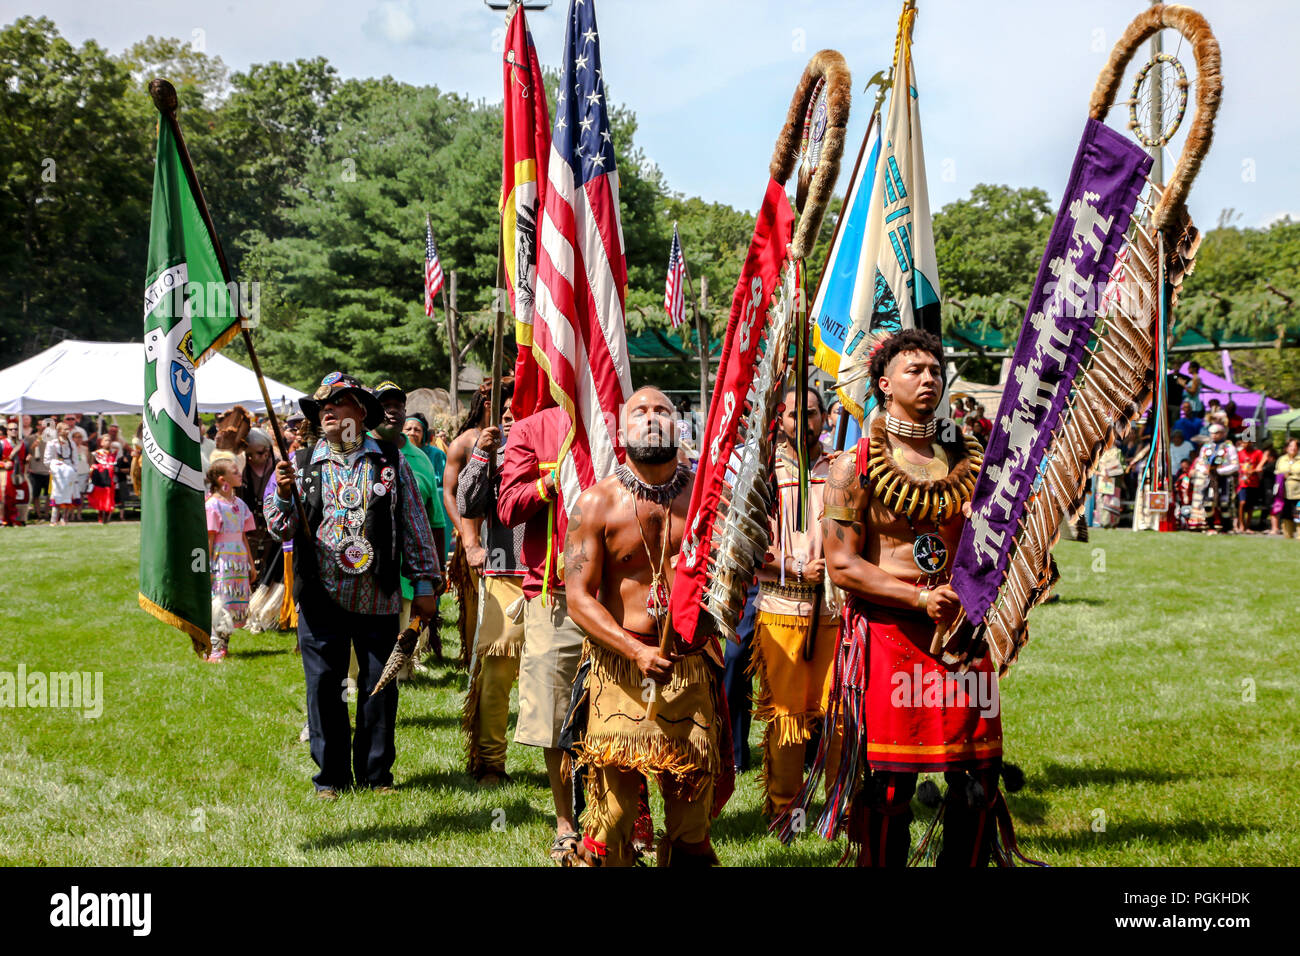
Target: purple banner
(1098, 203)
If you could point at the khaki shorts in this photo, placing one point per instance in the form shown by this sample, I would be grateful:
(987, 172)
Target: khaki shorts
(552, 650)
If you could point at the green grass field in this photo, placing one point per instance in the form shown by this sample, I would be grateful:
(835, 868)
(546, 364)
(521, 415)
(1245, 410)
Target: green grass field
(1154, 713)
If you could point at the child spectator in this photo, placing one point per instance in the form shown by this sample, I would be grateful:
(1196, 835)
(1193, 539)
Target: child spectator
(231, 561)
(1183, 494)
(102, 479)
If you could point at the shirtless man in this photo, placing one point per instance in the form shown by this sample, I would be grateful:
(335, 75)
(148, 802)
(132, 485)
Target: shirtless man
(884, 548)
(651, 712)
(466, 564)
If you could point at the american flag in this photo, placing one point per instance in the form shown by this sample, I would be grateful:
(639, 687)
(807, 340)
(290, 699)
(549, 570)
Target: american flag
(674, 296)
(432, 268)
(579, 321)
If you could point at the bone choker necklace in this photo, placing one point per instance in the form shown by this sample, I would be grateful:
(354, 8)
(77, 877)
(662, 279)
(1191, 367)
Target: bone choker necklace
(345, 447)
(896, 426)
(663, 494)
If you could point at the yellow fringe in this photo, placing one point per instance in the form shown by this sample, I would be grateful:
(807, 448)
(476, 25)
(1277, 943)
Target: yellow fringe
(502, 647)
(594, 819)
(763, 708)
(221, 341)
(459, 576)
(793, 728)
(199, 638)
(288, 609)
(765, 773)
(655, 752)
(781, 620)
(661, 754)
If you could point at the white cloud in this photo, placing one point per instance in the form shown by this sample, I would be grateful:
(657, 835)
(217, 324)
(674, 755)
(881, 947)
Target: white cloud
(392, 22)
(1291, 214)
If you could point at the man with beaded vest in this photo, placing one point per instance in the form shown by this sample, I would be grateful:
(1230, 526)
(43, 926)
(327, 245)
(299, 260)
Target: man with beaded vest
(366, 526)
(894, 510)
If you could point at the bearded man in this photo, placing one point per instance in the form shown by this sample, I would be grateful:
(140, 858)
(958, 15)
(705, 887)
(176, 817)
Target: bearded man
(651, 710)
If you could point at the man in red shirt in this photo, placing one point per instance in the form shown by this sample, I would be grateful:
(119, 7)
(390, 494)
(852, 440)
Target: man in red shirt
(529, 495)
(1251, 459)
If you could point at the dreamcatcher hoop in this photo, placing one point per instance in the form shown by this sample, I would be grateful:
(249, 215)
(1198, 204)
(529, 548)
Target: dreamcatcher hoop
(1135, 99)
(1209, 90)
(825, 78)
(814, 138)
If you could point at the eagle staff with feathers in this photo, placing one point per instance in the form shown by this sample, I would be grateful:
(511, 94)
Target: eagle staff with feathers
(927, 636)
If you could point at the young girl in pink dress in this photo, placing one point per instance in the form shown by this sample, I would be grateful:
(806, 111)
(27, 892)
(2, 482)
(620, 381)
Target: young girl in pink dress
(229, 520)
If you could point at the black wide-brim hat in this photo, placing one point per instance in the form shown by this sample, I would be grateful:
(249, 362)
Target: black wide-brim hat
(332, 387)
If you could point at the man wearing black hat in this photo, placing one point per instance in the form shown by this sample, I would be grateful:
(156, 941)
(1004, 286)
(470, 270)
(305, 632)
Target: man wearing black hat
(365, 527)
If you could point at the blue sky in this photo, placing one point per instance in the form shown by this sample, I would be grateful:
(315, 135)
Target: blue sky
(1004, 84)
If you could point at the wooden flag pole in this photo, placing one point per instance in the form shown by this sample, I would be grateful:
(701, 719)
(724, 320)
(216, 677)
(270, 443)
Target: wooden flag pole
(165, 99)
(499, 332)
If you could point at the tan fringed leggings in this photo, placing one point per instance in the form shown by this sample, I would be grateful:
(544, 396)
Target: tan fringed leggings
(612, 810)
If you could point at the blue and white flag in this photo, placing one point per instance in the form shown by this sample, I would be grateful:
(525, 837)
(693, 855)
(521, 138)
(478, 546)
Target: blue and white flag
(897, 283)
(830, 308)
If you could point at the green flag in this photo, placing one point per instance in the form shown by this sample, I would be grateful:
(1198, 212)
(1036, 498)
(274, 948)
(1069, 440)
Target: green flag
(188, 315)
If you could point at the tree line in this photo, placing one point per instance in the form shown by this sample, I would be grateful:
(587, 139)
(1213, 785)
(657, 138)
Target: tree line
(319, 187)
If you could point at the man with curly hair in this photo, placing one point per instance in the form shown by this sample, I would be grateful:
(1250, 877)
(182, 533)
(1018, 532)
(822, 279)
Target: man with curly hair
(895, 506)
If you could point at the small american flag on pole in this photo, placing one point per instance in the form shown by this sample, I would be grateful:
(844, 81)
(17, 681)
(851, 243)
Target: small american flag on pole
(674, 294)
(432, 268)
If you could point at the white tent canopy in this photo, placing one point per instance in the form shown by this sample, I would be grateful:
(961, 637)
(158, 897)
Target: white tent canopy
(107, 378)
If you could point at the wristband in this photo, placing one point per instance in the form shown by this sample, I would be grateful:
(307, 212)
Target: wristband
(923, 599)
(541, 490)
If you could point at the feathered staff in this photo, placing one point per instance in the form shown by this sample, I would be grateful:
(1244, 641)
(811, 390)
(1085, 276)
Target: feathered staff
(403, 653)
(1112, 381)
(728, 524)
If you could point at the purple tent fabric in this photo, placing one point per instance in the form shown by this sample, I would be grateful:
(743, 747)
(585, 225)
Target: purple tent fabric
(1216, 386)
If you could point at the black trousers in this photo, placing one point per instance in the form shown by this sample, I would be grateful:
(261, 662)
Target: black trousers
(326, 634)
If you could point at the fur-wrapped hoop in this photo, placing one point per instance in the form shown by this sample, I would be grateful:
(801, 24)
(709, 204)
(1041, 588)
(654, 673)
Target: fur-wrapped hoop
(828, 65)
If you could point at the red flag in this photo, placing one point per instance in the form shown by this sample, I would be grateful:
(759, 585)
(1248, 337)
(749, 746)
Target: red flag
(526, 147)
(580, 336)
(758, 280)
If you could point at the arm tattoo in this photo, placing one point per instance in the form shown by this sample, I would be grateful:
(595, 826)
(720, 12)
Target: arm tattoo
(843, 491)
(575, 559)
(575, 549)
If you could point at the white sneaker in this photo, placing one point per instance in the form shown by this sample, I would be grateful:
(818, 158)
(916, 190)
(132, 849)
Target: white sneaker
(305, 734)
